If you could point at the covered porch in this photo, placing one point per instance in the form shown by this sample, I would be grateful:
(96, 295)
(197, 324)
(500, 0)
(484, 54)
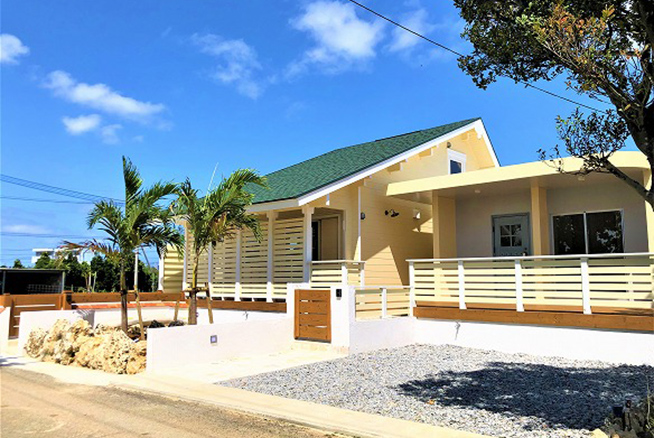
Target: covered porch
(303, 246)
(526, 244)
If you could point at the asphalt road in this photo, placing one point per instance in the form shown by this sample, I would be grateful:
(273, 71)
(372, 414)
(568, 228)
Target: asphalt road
(36, 405)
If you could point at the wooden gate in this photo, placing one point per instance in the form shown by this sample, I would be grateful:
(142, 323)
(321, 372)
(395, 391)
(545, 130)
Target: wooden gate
(17, 304)
(313, 315)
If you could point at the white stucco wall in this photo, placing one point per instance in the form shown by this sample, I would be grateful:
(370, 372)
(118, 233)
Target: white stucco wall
(574, 343)
(172, 347)
(615, 196)
(376, 334)
(5, 317)
(474, 223)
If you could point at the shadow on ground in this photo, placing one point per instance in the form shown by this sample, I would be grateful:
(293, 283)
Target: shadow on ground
(575, 398)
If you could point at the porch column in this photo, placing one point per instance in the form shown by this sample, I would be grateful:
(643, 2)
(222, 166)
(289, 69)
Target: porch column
(540, 224)
(443, 213)
(272, 215)
(649, 213)
(308, 241)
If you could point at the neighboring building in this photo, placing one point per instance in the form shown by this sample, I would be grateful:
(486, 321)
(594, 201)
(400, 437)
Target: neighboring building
(32, 281)
(361, 215)
(53, 252)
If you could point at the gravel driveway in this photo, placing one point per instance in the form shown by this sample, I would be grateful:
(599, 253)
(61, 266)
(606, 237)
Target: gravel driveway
(487, 392)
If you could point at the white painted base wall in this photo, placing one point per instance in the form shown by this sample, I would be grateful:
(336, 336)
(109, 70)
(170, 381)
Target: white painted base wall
(381, 333)
(111, 317)
(172, 347)
(632, 348)
(5, 317)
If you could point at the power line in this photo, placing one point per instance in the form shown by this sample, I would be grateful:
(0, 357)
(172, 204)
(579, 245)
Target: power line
(455, 52)
(71, 236)
(56, 190)
(54, 201)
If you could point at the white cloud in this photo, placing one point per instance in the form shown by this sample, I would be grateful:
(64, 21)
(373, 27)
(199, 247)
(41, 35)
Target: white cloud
(342, 38)
(237, 63)
(417, 21)
(109, 133)
(11, 48)
(100, 97)
(82, 124)
(25, 228)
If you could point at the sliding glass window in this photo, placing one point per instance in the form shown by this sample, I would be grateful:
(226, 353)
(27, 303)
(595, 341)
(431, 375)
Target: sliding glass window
(588, 233)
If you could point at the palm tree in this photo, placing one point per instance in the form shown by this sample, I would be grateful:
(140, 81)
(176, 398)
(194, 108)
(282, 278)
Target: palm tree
(141, 223)
(215, 218)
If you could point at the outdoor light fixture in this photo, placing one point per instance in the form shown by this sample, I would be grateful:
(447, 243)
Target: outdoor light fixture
(363, 215)
(391, 213)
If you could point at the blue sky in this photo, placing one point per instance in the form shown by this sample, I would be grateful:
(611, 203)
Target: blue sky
(182, 86)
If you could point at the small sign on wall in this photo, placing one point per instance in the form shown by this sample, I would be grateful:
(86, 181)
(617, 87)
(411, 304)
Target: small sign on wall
(213, 339)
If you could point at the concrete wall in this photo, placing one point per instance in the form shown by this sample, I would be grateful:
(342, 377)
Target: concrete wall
(111, 317)
(572, 343)
(5, 318)
(191, 345)
(381, 333)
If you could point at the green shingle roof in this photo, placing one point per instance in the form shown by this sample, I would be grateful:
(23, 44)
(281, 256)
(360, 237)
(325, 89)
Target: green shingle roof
(310, 175)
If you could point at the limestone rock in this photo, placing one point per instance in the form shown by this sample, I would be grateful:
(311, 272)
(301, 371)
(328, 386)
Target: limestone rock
(105, 348)
(34, 343)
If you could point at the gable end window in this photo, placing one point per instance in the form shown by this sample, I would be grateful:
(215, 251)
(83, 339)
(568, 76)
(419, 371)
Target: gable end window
(588, 233)
(456, 161)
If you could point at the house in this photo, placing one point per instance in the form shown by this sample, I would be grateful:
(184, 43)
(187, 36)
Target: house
(432, 217)
(54, 252)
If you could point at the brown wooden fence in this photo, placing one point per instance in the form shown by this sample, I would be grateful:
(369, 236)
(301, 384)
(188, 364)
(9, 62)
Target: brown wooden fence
(68, 301)
(17, 304)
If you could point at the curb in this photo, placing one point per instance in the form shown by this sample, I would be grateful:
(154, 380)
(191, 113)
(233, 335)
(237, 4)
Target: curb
(308, 414)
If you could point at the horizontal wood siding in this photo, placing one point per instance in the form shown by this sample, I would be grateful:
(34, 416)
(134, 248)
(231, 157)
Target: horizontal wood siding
(224, 268)
(254, 263)
(173, 270)
(288, 254)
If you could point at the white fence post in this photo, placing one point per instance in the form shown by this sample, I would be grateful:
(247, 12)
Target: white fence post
(585, 286)
(362, 273)
(412, 288)
(462, 286)
(344, 273)
(519, 304)
(384, 302)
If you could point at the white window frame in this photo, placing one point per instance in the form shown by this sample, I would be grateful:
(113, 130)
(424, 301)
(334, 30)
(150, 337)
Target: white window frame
(457, 156)
(584, 213)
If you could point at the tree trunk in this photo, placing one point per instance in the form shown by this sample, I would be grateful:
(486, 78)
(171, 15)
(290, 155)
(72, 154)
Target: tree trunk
(136, 292)
(123, 298)
(193, 295)
(193, 307)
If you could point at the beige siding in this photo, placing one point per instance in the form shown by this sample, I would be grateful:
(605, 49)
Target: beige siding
(388, 242)
(224, 267)
(288, 254)
(173, 271)
(254, 263)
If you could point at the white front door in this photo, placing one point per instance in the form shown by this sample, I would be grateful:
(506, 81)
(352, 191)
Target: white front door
(511, 235)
